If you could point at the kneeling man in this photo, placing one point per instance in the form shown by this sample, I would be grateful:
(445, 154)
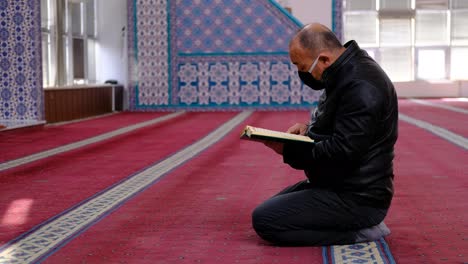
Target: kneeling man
(349, 185)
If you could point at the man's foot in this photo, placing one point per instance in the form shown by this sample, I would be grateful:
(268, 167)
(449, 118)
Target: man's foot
(372, 233)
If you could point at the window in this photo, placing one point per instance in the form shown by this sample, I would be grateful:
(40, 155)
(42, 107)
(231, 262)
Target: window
(46, 24)
(395, 4)
(431, 64)
(459, 63)
(411, 39)
(432, 27)
(68, 42)
(365, 36)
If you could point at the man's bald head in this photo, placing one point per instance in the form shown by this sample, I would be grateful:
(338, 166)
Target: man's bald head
(316, 37)
(314, 49)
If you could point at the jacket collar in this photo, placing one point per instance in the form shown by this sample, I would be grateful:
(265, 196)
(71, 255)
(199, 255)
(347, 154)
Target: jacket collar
(330, 74)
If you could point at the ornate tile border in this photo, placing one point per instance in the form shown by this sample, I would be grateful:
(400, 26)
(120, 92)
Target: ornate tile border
(376, 252)
(337, 18)
(21, 95)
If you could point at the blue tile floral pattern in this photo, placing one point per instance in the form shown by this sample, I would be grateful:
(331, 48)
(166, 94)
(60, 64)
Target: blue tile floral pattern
(230, 26)
(337, 18)
(212, 54)
(241, 82)
(21, 96)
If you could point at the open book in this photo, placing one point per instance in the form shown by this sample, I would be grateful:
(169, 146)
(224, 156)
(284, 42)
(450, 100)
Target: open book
(262, 134)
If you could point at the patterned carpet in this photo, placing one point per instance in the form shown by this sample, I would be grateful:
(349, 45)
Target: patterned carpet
(22, 142)
(56, 183)
(428, 217)
(456, 122)
(182, 190)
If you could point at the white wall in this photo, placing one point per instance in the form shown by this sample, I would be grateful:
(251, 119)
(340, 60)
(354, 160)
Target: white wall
(111, 52)
(308, 11)
(463, 92)
(432, 89)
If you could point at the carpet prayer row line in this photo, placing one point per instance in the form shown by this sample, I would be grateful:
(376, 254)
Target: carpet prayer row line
(200, 212)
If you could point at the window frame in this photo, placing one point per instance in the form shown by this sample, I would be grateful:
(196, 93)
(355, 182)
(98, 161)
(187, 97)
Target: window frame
(415, 48)
(66, 42)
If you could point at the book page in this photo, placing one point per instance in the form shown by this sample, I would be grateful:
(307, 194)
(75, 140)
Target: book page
(277, 134)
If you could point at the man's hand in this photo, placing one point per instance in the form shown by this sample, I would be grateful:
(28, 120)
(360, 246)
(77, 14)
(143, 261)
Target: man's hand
(298, 129)
(276, 146)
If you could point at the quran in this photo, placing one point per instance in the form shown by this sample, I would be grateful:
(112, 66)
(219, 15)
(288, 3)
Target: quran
(263, 135)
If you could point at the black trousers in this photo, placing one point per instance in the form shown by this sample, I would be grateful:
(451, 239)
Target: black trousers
(302, 215)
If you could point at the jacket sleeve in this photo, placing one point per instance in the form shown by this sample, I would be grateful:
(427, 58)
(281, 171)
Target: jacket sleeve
(297, 155)
(355, 124)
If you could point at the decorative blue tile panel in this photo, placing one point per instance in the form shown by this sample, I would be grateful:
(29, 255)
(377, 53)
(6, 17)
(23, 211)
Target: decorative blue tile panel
(337, 18)
(207, 26)
(21, 96)
(240, 81)
(212, 54)
(152, 52)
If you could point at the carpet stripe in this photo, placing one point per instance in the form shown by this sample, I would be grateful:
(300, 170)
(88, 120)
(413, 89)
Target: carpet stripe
(439, 131)
(81, 119)
(54, 233)
(386, 249)
(325, 255)
(44, 154)
(375, 252)
(447, 107)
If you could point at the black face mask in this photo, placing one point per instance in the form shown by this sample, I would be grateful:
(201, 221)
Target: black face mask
(310, 81)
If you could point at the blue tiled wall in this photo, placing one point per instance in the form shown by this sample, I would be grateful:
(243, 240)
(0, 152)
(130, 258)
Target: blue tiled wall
(21, 95)
(212, 54)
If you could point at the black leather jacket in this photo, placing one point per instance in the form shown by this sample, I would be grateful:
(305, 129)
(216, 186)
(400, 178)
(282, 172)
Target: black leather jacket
(356, 125)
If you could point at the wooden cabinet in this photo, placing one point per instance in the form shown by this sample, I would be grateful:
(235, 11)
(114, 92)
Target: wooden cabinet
(64, 104)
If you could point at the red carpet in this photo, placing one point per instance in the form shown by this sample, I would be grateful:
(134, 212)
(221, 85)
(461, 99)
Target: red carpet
(35, 192)
(452, 121)
(428, 217)
(21, 142)
(200, 213)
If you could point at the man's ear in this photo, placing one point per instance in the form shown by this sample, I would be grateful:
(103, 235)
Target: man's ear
(326, 59)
